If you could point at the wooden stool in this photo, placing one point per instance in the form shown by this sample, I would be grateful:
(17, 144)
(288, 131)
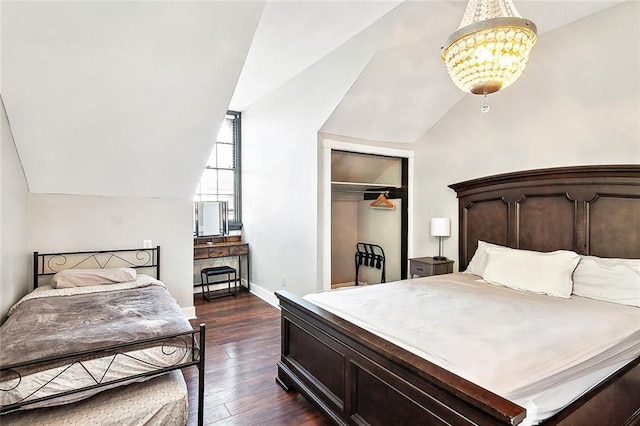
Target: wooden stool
(205, 273)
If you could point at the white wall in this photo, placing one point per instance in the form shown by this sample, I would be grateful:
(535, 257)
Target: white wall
(73, 222)
(344, 237)
(14, 254)
(578, 106)
(279, 169)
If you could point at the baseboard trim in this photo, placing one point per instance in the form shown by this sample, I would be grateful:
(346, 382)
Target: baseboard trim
(261, 292)
(266, 295)
(189, 312)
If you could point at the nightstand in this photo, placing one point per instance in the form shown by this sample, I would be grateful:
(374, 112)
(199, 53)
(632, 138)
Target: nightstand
(427, 266)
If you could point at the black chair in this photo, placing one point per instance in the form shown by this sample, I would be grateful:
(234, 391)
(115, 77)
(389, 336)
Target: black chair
(205, 273)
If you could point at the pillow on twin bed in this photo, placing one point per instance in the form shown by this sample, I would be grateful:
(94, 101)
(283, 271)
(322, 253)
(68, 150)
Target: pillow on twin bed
(533, 271)
(610, 280)
(479, 260)
(86, 277)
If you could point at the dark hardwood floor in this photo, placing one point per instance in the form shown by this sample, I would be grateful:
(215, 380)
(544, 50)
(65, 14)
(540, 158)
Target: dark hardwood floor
(242, 348)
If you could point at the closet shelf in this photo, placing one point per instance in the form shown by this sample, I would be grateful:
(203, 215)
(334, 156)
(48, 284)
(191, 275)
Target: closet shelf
(360, 186)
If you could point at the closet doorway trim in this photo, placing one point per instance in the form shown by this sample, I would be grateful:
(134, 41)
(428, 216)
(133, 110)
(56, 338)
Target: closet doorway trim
(325, 194)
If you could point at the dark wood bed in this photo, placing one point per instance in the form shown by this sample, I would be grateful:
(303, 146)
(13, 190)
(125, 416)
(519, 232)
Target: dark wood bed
(355, 377)
(145, 260)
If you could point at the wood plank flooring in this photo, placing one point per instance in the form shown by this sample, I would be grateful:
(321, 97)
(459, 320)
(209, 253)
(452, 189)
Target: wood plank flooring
(242, 348)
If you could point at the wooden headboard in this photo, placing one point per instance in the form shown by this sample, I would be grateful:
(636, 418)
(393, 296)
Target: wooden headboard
(592, 210)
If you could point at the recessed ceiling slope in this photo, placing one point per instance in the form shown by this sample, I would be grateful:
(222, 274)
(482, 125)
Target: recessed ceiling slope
(294, 35)
(405, 89)
(120, 98)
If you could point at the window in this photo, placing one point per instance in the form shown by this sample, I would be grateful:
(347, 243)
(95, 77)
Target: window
(220, 180)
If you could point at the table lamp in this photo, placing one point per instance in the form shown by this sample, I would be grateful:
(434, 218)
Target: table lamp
(440, 227)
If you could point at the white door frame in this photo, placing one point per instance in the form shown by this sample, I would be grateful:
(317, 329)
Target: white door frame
(325, 187)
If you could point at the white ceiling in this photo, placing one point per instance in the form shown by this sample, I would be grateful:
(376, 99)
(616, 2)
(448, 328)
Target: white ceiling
(291, 36)
(405, 89)
(124, 98)
(120, 98)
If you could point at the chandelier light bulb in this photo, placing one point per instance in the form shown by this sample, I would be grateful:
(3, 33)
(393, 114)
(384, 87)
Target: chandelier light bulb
(491, 47)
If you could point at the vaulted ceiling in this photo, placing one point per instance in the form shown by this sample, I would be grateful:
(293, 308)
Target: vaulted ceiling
(124, 98)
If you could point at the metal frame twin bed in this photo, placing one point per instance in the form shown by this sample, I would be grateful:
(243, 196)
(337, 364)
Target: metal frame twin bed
(146, 260)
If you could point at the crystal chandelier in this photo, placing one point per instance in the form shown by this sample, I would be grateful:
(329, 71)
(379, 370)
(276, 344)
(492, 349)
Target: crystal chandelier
(490, 48)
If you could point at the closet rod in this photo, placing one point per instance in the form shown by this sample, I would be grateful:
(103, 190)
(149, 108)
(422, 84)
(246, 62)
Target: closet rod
(362, 191)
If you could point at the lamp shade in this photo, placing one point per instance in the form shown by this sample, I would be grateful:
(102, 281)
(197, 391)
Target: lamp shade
(440, 226)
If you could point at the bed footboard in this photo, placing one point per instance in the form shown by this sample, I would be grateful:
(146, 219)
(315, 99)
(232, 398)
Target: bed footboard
(355, 377)
(194, 340)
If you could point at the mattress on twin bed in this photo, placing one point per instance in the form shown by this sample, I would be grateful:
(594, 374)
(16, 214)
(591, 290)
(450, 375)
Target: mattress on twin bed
(56, 322)
(538, 351)
(160, 401)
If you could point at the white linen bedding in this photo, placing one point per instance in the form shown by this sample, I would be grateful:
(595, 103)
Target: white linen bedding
(64, 377)
(538, 351)
(67, 378)
(160, 401)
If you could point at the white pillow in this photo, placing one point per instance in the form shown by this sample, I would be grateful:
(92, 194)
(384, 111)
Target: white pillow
(86, 277)
(479, 260)
(537, 272)
(611, 280)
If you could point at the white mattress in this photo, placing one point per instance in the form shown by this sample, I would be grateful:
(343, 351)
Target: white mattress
(159, 401)
(86, 373)
(540, 352)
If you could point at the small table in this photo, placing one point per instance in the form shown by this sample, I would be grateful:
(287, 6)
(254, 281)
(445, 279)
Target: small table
(428, 266)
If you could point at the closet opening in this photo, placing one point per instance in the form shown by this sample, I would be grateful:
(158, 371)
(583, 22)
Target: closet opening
(369, 218)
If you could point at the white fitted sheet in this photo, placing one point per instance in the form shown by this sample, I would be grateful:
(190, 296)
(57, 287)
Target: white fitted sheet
(538, 351)
(160, 401)
(86, 373)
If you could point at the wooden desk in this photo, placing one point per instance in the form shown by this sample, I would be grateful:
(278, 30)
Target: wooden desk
(219, 250)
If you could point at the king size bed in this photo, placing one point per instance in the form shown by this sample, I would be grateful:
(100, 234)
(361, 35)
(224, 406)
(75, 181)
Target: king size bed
(543, 326)
(94, 323)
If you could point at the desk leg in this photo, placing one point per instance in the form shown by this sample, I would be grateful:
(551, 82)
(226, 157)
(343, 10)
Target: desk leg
(248, 272)
(240, 271)
(248, 287)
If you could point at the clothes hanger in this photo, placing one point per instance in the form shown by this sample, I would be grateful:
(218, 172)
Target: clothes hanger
(382, 201)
